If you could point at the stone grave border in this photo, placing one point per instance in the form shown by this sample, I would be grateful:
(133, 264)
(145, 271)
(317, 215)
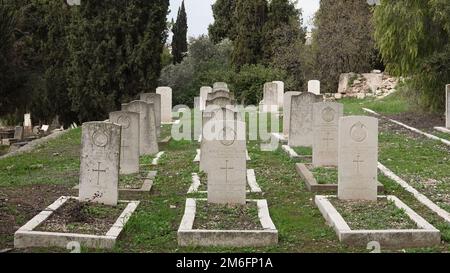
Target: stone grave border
(146, 185)
(227, 238)
(419, 196)
(251, 182)
(293, 154)
(197, 156)
(425, 235)
(311, 182)
(280, 137)
(430, 136)
(26, 236)
(442, 130)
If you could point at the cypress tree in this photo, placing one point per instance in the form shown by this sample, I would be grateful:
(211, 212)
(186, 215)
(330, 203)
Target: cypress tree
(115, 53)
(179, 40)
(250, 18)
(223, 26)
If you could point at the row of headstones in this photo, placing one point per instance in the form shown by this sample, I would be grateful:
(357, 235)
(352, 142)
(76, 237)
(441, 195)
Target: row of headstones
(114, 147)
(273, 95)
(349, 143)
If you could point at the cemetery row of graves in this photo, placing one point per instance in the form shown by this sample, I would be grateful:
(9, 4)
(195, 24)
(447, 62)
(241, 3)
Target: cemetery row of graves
(342, 175)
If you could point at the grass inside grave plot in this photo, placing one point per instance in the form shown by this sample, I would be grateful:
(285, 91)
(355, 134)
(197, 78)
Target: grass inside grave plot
(204, 182)
(325, 175)
(303, 151)
(373, 215)
(226, 217)
(131, 181)
(82, 218)
(3, 149)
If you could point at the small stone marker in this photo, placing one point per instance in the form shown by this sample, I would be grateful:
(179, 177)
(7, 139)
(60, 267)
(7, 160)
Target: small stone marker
(156, 100)
(270, 97)
(18, 133)
(300, 125)
(326, 117)
(204, 91)
(314, 87)
(197, 103)
(166, 103)
(129, 147)
(99, 169)
(287, 111)
(227, 175)
(447, 107)
(148, 142)
(280, 92)
(358, 158)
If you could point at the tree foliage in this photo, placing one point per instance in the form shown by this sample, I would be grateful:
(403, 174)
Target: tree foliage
(224, 25)
(179, 40)
(344, 40)
(413, 38)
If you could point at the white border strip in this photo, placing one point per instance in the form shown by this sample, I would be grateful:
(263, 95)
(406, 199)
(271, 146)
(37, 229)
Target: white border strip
(442, 130)
(156, 159)
(419, 196)
(410, 128)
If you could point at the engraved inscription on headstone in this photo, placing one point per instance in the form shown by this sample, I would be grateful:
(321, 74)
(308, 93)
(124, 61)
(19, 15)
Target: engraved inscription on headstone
(301, 119)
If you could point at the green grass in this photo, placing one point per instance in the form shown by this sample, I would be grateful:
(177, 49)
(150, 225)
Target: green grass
(392, 104)
(325, 175)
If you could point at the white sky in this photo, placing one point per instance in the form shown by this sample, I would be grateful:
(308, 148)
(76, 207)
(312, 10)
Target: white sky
(199, 13)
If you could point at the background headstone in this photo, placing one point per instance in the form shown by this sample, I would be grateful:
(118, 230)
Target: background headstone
(314, 87)
(197, 103)
(18, 133)
(287, 111)
(326, 116)
(156, 100)
(280, 92)
(358, 158)
(300, 125)
(270, 97)
(99, 169)
(221, 86)
(204, 91)
(227, 175)
(166, 103)
(129, 147)
(148, 142)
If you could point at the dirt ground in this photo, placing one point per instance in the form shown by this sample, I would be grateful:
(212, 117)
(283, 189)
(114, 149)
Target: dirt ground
(419, 120)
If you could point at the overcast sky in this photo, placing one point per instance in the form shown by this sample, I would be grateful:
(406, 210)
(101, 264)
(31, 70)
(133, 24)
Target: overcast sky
(199, 13)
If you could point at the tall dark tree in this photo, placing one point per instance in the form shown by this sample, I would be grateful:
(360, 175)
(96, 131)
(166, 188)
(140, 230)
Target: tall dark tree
(250, 18)
(115, 53)
(344, 40)
(179, 40)
(223, 26)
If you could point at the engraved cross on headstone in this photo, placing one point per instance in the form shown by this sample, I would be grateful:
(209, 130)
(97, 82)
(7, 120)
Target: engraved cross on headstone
(357, 161)
(226, 170)
(98, 172)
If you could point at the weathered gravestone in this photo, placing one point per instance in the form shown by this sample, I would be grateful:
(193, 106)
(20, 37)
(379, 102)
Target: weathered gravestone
(270, 97)
(280, 92)
(358, 158)
(129, 147)
(447, 106)
(300, 125)
(287, 111)
(18, 133)
(204, 91)
(326, 117)
(148, 141)
(197, 103)
(217, 94)
(156, 100)
(314, 87)
(220, 86)
(166, 103)
(227, 175)
(220, 101)
(99, 169)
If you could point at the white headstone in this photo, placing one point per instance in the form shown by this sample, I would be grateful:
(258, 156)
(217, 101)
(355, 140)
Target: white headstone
(300, 126)
(270, 97)
(358, 158)
(314, 87)
(220, 86)
(156, 100)
(196, 102)
(166, 103)
(99, 169)
(27, 120)
(287, 111)
(129, 147)
(227, 175)
(280, 92)
(148, 141)
(447, 107)
(204, 91)
(326, 117)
